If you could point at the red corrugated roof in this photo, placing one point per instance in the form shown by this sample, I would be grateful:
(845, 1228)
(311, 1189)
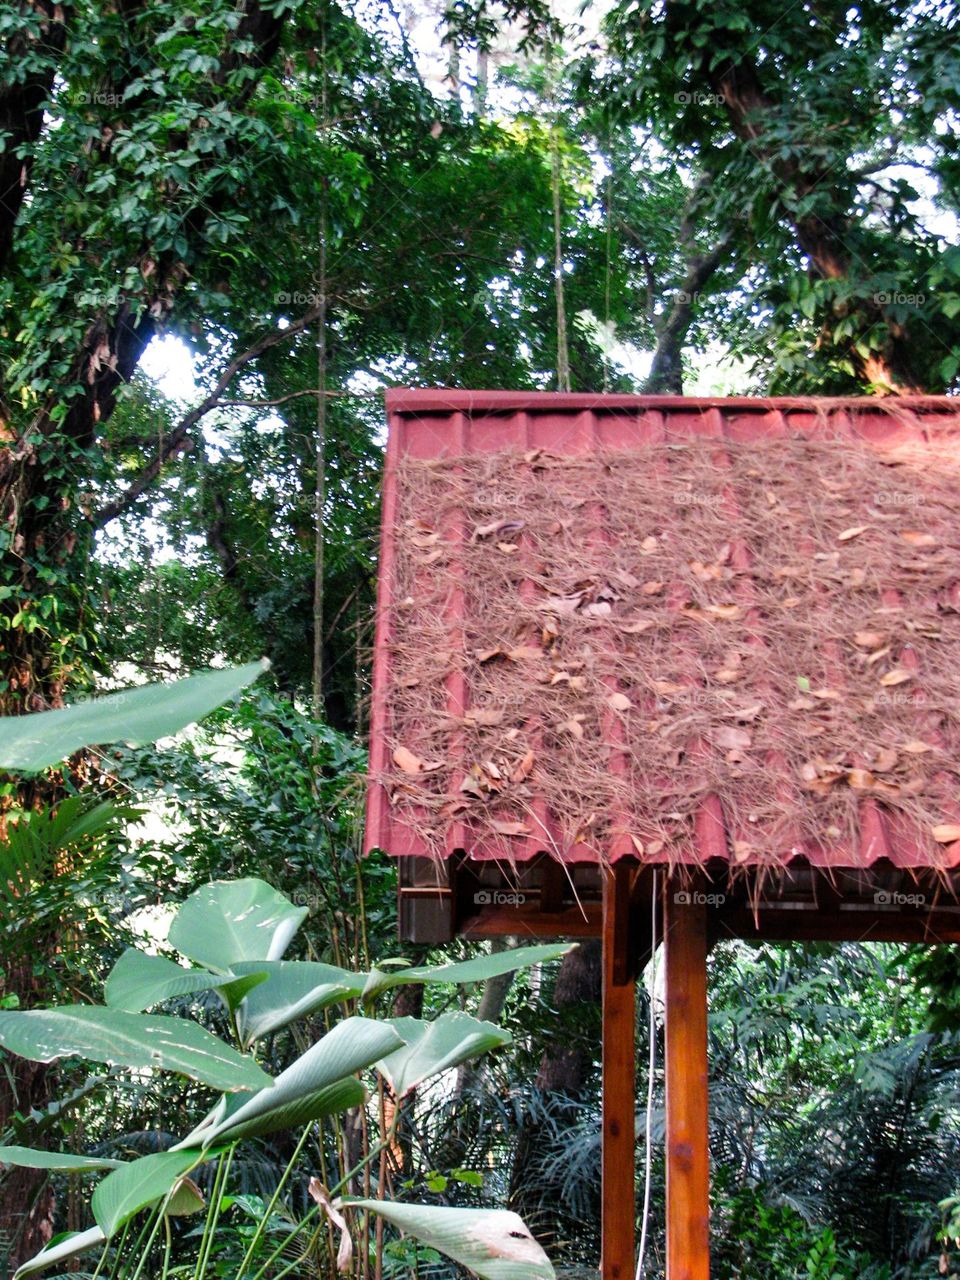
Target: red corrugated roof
(444, 424)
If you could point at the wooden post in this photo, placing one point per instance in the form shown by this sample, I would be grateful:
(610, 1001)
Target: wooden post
(618, 1187)
(687, 1152)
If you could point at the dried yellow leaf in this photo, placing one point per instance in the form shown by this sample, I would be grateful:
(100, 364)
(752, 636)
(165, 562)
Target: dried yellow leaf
(404, 759)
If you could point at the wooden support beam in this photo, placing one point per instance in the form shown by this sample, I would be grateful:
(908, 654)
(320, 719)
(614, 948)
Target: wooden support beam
(618, 1184)
(687, 1152)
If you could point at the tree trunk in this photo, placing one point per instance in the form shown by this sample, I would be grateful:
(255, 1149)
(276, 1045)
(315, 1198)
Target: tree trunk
(822, 239)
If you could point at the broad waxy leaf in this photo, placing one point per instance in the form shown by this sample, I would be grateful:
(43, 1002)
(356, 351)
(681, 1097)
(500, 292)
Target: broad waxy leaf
(352, 1045)
(139, 981)
(78, 1242)
(55, 1161)
(493, 1243)
(128, 1040)
(293, 989)
(231, 921)
(433, 1047)
(34, 742)
(476, 970)
(138, 1184)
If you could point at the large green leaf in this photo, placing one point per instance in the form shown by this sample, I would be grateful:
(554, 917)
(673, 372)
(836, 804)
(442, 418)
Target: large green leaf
(139, 981)
(143, 1182)
(479, 969)
(55, 1161)
(352, 1045)
(128, 1040)
(235, 920)
(433, 1047)
(493, 1243)
(76, 1242)
(34, 742)
(293, 989)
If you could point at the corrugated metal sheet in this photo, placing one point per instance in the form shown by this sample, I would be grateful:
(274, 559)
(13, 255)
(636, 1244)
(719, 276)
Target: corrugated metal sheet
(427, 424)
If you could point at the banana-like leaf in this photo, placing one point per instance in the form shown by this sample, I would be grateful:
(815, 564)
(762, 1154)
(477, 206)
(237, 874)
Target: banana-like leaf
(479, 969)
(235, 920)
(34, 742)
(293, 1114)
(138, 981)
(139, 1184)
(293, 989)
(493, 1243)
(352, 1045)
(76, 1242)
(55, 1161)
(433, 1047)
(128, 1040)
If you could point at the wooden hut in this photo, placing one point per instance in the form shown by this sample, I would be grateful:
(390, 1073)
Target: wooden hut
(659, 668)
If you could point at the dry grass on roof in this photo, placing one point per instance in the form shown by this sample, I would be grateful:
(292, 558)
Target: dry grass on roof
(584, 648)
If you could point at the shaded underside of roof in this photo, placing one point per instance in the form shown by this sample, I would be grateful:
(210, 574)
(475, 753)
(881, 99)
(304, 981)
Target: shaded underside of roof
(670, 629)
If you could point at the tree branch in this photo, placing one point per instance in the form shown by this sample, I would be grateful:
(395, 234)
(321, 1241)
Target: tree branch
(178, 438)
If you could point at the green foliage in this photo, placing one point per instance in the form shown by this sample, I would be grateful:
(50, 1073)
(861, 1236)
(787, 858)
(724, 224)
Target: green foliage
(320, 1082)
(35, 742)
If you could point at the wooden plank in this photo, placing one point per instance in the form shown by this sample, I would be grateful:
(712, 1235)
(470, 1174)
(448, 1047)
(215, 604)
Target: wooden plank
(687, 1152)
(841, 925)
(618, 1183)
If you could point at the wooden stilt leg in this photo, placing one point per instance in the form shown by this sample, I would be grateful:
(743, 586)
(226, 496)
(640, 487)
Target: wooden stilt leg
(688, 1161)
(618, 1214)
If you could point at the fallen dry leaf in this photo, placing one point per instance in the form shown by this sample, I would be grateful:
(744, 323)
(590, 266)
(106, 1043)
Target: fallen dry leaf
(868, 639)
(483, 716)
(726, 611)
(649, 545)
(599, 609)
(747, 713)
(505, 828)
(573, 727)
(651, 588)
(619, 702)
(404, 759)
(668, 686)
(917, 539)
(524, 768)
(899, 675)
(524, 653)
(424, 540)
(849, 534)
(946, 833)
(508, 548)
(732, 739)
(916, 747)
(861, 779)
(885, 760)
(636, 628)
(488, 655)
